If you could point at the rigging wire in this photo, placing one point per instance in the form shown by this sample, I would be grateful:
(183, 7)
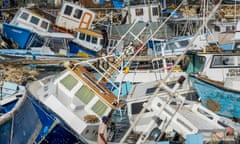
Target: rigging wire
(161, 83)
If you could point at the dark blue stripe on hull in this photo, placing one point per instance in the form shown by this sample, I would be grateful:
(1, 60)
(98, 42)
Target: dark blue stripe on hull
(20, 36)
(75, 48)
(22, 127)
(53, 133)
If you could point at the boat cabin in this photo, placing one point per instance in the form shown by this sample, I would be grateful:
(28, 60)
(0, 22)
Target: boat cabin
(72, 16)
(141, 13)
(93, 42)
(215, 66)
(29, 19)
(175, 46)
(55, 44)
(224, 27)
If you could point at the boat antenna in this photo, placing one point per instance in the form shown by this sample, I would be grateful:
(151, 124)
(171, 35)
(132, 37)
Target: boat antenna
(161, 83)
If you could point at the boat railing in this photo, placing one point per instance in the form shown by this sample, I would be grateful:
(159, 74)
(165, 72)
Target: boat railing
(6, 91)
(100, 66)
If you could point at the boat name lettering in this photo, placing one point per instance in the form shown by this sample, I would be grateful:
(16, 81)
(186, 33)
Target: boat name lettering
(15, 30)
(233, 72)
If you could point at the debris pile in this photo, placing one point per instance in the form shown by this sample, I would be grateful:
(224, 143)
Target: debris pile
(18, 74)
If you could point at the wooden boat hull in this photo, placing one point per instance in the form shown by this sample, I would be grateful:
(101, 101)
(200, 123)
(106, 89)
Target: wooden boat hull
(216, 98)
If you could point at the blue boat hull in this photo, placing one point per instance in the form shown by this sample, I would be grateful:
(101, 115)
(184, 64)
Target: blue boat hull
(75, 48)
(20, 36)
(55, 131)
(33, 54)
(24, 125)
(223, 101)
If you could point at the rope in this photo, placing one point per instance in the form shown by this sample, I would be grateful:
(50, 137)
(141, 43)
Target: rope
(164, 80)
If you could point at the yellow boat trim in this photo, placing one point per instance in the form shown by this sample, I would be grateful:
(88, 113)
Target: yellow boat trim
(87, 23)
(81, 54)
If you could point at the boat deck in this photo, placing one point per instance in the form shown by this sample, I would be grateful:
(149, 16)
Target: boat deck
(98, 87)
(198, 121)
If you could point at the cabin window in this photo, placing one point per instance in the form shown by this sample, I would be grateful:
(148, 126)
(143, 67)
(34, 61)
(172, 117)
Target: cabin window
(171, 46)
(99, 108)
(77, 13)
(115, 43)
(216, 28)
(85, 94)
(34, 20)
(82, 36)
(230, 28)
(223, 61)
(44, 24)
(183, 43)
(111, 43)
(155, 11)
(237, 46)
(139, 12)
(56, 44)
(137, 107)
(24, 16)
(151, 90)
(69, 82)
(88, 38)
(94, 40)
(101, 41)
(68, 10)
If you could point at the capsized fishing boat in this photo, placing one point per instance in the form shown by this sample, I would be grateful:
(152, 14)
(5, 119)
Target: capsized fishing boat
(73, 16)
(174, 115)
(215, 76)
(22, 122)
(23, 29)
(142, 11)
(77, 98)
(29, 33)
(175, 46)
(91, 43)
(54, 45)
(19, 120)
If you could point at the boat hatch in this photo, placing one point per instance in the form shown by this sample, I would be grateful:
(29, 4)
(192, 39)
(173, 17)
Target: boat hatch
(69, 82)
(85, 94)
(99, 108)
